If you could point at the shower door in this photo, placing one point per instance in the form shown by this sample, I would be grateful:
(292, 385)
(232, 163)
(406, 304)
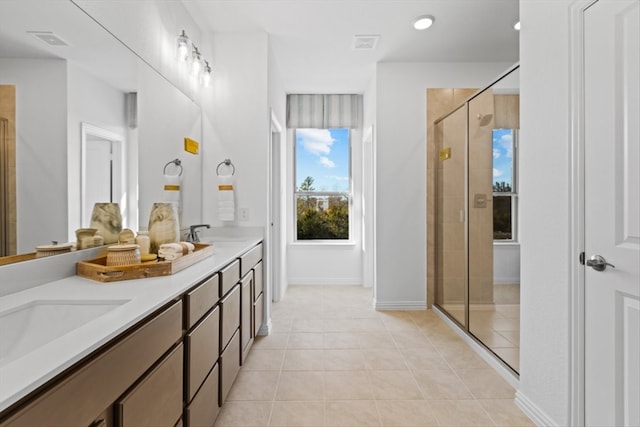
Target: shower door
(477, 258)
(451, 249)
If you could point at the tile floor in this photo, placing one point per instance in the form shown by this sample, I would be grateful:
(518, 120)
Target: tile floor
(332, 360)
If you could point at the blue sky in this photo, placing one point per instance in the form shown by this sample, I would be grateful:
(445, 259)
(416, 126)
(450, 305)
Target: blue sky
(502, 155)
(323, 154)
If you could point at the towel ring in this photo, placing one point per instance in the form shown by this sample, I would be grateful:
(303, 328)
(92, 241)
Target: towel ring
(176, 162)
(226, 162)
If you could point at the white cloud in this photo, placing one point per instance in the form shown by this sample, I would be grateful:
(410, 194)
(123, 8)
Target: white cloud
(326, 162)
(496, 153)
(506, 141)
(496, 173)
(316, 141)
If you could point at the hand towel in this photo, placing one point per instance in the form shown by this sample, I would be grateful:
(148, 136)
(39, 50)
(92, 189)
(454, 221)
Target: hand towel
(172, 188)
(226, 198)
(171, 251)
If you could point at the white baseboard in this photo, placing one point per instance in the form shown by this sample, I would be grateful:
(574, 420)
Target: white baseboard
(538, 416)
(400, 305)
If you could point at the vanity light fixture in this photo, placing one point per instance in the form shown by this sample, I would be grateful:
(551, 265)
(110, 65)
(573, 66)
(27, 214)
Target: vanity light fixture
(187, 52)
(183, 47)
(423, 22)
(205, 78)
(196, 62)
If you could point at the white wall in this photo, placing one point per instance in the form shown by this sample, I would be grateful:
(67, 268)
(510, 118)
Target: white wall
(41, 148)
(92, 101)
(545, 219)
(237, 125)
(506, 263)
(401, 172)
(161, 133)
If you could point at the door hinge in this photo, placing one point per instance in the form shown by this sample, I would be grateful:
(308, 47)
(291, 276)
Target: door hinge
(582, 258)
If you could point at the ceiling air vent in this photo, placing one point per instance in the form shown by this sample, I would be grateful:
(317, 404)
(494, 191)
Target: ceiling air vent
(365, 42)
(49, 38)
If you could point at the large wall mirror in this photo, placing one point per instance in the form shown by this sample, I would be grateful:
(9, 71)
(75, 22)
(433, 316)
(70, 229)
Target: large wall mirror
(61, 68)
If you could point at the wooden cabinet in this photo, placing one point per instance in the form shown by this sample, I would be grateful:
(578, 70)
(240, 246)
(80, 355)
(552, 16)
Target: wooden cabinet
(156, 400)
(174, 368)
(246, 315)
(79, 397)
(202, 348)
(204, 408)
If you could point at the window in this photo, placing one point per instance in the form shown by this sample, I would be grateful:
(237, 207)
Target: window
(504, 184)
(323, 184)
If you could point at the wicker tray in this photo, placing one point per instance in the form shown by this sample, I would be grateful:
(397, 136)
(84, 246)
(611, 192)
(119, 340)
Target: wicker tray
(96, 269)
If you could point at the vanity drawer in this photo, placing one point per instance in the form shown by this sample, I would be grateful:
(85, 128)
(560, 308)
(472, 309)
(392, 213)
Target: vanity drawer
(202, 351)
(246, 315)
(201, 299)
(77, 398)
(229, 316)
(250, 258)
(258, 280)
(229, 276)
(204, 408)
(258, 308)
(157, 399)
(229, 366)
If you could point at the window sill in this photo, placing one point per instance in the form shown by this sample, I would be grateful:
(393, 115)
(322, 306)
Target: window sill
(509, 243)
(317, 243)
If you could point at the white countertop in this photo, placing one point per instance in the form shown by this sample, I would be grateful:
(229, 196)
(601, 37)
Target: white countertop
(21, 376)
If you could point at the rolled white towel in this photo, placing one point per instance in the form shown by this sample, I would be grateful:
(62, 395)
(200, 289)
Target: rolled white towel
(171, 251)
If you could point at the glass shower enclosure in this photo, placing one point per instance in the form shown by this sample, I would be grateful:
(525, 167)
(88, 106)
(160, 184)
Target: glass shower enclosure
(476, 245)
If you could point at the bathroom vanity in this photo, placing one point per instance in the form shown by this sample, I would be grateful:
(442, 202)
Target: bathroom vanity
(160, 351)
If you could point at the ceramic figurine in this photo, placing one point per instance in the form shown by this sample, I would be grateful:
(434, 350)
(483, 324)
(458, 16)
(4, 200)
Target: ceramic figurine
(164, 225)
(107, 219)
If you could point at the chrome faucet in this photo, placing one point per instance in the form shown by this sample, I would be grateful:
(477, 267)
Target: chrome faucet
(193, 232)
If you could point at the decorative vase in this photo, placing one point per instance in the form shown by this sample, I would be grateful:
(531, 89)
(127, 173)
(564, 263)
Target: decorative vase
(107, 219)
(84, 237)
(164, 225)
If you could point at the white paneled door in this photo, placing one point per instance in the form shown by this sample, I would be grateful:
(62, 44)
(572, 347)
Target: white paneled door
(612, 213)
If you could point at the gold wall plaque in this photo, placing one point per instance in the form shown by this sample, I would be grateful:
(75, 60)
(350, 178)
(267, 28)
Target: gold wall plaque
(445, 154)
(191, 146)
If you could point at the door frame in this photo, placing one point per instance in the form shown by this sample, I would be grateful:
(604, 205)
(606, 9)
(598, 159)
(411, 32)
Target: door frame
(577, 206)
(87, 131)
(275, 229)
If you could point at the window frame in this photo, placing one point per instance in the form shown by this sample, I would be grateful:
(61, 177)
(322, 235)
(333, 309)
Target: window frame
(513, 194)
(348, 194)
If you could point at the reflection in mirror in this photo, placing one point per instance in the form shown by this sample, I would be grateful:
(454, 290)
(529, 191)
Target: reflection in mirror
(103, 170)
(68, 68)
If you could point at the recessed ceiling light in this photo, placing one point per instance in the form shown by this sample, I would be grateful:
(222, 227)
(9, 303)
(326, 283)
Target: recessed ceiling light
(516, 26)
(423, 22)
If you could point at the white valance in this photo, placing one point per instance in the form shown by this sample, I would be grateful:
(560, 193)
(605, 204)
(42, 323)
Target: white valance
(324, 111)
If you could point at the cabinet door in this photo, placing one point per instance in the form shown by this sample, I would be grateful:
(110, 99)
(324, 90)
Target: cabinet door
(250, 258)
(202, 351)
(204, 408)
(258, 280)
(229, 316)
(229, 366)
(258, 312)
(200, 300)
(229, 276)
(246, 315)
(157, 399)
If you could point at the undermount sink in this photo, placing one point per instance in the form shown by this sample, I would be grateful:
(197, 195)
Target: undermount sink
(32, 325)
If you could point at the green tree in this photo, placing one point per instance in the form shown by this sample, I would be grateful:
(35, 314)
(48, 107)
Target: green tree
(307, 184)
(501, 187)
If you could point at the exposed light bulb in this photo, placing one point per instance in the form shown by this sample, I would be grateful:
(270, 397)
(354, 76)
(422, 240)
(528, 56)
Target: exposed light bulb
(206, 74)
(516, 26)
(183, 47)
(196, 63)
(423, 22)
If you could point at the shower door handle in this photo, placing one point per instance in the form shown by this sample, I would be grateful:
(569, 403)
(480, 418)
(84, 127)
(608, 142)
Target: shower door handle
(598, 263)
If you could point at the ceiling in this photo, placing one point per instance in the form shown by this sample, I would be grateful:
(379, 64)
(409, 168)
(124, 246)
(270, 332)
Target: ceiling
(311, 40)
